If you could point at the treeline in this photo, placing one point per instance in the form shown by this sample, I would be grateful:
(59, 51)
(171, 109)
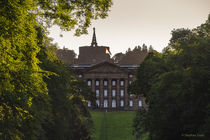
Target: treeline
(135, 56)
(39, 97)
(176, 85)
(67, 56)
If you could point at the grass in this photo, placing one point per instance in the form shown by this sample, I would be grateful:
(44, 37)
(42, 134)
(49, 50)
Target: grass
(113, 125)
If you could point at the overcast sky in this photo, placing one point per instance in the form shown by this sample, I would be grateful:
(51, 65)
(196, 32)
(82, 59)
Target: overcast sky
(134, 22)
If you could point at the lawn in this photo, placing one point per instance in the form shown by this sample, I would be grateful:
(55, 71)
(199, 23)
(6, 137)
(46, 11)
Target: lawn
(113, 125)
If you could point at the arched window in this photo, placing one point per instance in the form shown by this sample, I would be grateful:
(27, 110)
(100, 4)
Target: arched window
(105, 103)
(121, 103)
(113, 103)
(130, 76)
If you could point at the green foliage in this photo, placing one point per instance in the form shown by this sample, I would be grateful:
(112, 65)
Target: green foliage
(140, 125)
(25, 106)
(176, 86)
(70, 118)
(149, 70)
(21, 84)
(69, 14)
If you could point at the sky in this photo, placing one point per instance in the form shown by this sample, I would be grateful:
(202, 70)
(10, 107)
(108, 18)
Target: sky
(135, 22)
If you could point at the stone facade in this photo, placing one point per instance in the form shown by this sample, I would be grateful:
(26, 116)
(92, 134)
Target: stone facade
(108, 80)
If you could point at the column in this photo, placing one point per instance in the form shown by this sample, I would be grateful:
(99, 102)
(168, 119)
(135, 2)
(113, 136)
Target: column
(118, 92)
(126, 93)
(101, 93)
(109, 93)
(93, 86)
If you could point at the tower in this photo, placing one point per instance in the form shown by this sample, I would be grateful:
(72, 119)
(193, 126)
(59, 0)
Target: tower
(93, 54)
(94, 41)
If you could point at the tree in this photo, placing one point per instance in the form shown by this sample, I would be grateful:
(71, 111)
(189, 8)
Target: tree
(117, 57)
(23, 93)
(67, 56)
(176, 87)
(70, 118)
(135, 56)
(70, 14)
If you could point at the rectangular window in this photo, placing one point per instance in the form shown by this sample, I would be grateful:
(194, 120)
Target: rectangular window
(140, 103)
(113, 103)
(89, 83)
(105, 83)
(113, 83)
(121, 92)
(113, 92)
(105, 93)
(121, 103)
(121, 83)
(89, 104)
(131, 103)
(97, 83)
(105, 103)
(97, 92)
(97, 103)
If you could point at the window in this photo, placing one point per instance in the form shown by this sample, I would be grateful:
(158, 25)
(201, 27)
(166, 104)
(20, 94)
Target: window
(121, 92)
(131, 103)
(97, 103)
(105, 83)
(113, 103)
(105, 103)
(97, 83)
(130, 94)
(97, 92)
(89, 83)
(89, 104)
(140, 103)
(105, 93)
(114, 83)
(121, 83)
(130, 75)
(113, 92)
(80, 75)
(121, 103)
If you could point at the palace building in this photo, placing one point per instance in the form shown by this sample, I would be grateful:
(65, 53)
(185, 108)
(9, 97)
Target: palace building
(107, 79)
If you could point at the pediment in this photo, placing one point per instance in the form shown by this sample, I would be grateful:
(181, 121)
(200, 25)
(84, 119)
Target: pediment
(106, 67)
